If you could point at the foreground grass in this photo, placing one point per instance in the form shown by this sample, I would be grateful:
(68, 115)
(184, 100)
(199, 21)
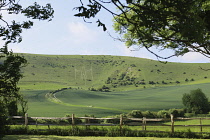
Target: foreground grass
(50, 137)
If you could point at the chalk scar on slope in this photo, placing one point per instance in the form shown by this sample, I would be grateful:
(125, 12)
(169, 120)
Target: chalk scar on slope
(52, 98)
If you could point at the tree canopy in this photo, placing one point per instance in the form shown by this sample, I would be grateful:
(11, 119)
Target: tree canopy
(180, 25)
(10, 32)
(10, 63)
(196, 102)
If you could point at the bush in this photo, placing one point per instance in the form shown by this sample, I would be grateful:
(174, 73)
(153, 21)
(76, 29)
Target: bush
(163, 82)
(181, 112)
(135, 114)
(149, 114)
(174, 112)
(92, 89)
(163, 114)
(133, 65)
(196, 102)
(188, 115)
(152, 82)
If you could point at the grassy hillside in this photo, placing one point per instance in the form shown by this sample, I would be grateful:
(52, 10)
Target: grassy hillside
(136, 84)
(116, 72)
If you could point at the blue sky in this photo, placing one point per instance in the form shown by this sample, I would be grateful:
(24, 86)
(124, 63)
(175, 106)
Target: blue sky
(69, 35)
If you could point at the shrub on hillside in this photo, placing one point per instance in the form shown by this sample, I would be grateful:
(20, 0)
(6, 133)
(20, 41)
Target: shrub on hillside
(92, 89)
(163, 82)
(133, 65)
(152, 82)
(192, 79)
(104, 89)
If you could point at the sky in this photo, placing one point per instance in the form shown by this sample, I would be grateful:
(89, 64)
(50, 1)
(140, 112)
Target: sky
(69, 35)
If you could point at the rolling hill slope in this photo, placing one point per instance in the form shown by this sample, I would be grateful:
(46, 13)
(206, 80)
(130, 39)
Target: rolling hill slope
(51, 72)
(137, 84)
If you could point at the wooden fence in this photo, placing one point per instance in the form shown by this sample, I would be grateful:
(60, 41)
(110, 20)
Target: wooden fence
(142, 122)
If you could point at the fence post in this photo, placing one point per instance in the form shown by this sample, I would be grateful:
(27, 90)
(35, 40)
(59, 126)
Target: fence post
(201, 124)
(87, 121)
(36, 123)
(26, 119)
(73, 121)
(144, 127)
(121, 123)
(172, 123)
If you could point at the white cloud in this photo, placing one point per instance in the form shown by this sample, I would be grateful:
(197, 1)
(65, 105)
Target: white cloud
(80, 33)
(194, 58)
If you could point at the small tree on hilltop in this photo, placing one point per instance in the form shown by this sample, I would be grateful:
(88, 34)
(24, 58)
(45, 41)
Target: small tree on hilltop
(196, 102)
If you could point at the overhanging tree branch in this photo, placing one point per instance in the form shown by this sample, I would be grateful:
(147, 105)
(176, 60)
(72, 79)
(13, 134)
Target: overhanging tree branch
(169, 24)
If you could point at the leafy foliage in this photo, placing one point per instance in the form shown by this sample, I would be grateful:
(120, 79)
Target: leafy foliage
(135, 114)
(2, 120)
(196, 102)
(163, 24)
(11, 32)
(11, 64)
(10, 74)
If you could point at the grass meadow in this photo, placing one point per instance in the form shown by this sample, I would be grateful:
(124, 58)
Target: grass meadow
(102, 104)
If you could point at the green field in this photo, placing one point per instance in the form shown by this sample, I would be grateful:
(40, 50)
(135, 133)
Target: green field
(101, 104)
(129, 80)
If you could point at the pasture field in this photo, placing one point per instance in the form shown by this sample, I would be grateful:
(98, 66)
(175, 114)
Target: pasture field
(51, 137)
(101, 104)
